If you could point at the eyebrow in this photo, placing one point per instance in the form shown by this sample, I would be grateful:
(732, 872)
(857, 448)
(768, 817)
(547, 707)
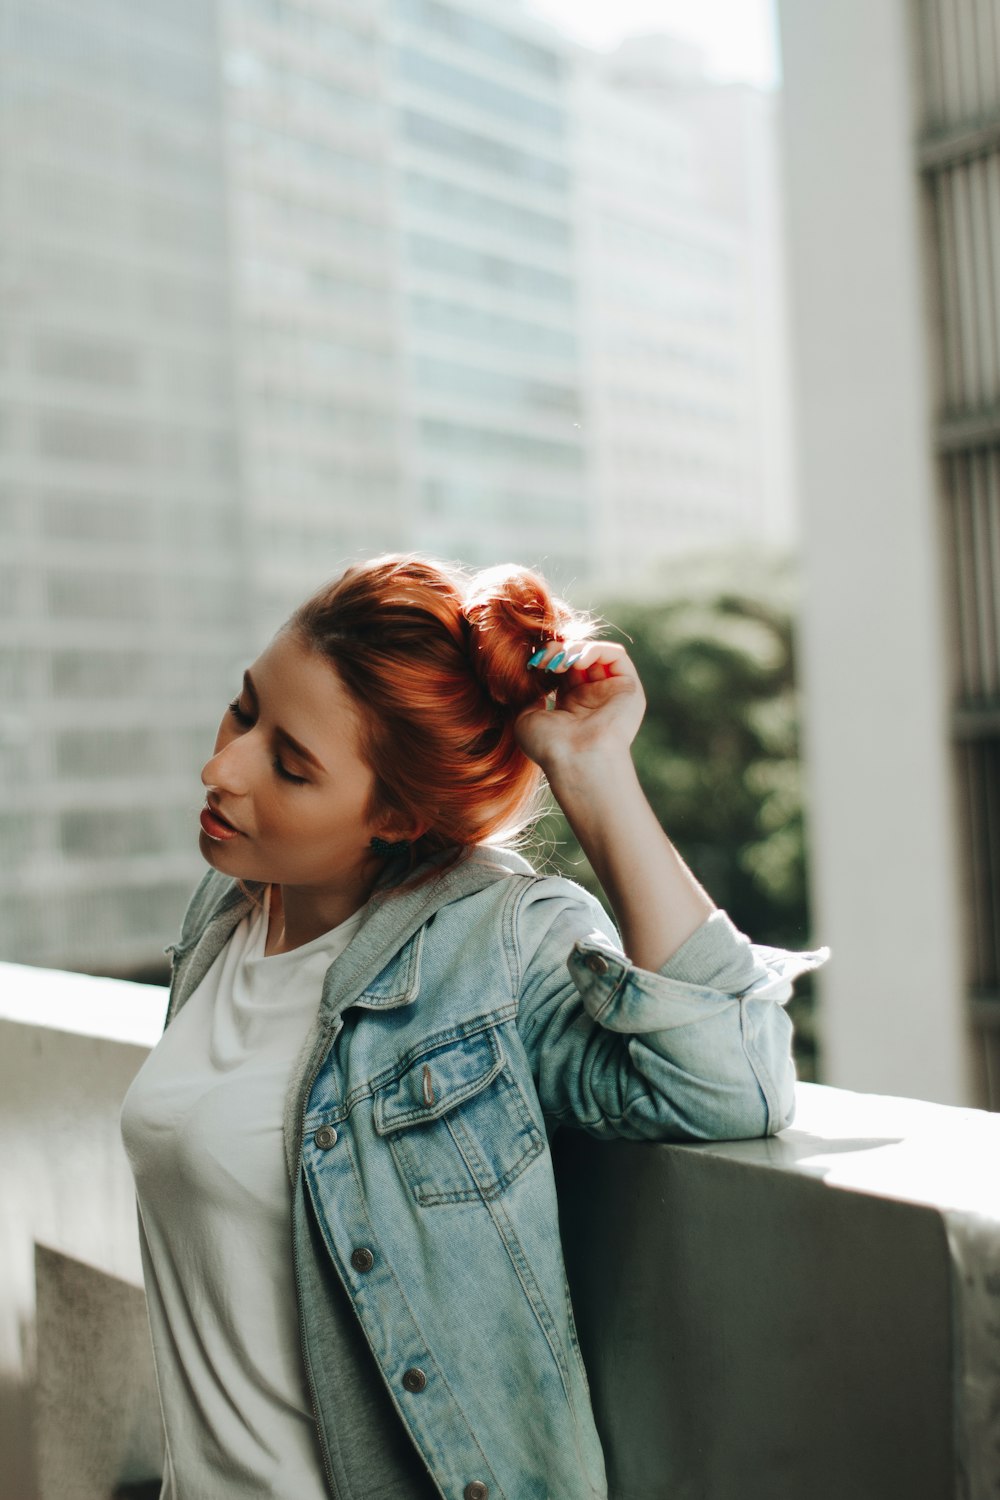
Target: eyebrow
(282, 734)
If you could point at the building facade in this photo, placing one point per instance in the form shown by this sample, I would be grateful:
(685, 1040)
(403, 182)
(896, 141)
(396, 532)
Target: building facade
(290, 282)
(683, 309)
(494, 450)
(121, 596)
(316, 352)
(957, 44)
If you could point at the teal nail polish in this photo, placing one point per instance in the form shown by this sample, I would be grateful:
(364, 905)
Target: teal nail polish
(574, 658)
(555, 661)
(534, 660)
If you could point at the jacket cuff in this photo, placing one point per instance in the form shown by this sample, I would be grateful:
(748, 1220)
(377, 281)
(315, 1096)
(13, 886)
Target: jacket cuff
(716, 955)
(716, 966)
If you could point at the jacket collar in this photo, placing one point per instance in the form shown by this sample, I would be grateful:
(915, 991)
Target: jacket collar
(363, 974)
(399, 981)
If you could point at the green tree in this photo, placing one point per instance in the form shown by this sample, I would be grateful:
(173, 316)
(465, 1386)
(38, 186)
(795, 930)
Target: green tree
(718, 753)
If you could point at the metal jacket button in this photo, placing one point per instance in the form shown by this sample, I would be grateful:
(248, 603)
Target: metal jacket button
(414, 1380)
(325, 1137)
(362, 1260)
(596, 964)
(477, 1490)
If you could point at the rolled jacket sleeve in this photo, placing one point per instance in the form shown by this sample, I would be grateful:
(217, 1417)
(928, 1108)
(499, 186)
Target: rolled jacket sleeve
(699, 1050)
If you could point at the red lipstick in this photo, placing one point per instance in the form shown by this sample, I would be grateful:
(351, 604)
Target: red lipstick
(216, 827)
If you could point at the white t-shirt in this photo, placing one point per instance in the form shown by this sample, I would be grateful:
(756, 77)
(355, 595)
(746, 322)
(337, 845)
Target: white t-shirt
(202, 1127)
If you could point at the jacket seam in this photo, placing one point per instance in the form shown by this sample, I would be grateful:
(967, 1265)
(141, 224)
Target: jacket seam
(420, 1049)
(479, 1194)
(694, 1020)
(413, 948)
(508, 1234)
(613, 995)
(760, 1072)
(477, 1166)
(438, 1367)
(468, 1089)
(510, 918)
(320, 1220)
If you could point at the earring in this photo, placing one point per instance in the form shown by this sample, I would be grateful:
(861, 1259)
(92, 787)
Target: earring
(383, 848)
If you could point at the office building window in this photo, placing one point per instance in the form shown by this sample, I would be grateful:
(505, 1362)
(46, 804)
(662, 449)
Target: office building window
(447, 259)
(466, 30)
(458, 320)
(483, 153)
(484, 211)
(481, 93)
(488, 443)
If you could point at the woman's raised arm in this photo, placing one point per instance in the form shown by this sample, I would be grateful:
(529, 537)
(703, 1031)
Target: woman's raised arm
(583, 746)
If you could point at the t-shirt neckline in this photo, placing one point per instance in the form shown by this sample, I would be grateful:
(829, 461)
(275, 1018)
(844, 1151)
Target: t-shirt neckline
(258, 937)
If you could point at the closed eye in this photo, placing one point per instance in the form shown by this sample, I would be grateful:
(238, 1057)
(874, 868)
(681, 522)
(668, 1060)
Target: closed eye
(238, 714)
(245, 721)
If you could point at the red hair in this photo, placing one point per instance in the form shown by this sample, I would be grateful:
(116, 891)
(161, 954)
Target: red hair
(435, 660)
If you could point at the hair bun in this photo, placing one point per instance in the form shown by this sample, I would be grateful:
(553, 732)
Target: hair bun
(511, 611)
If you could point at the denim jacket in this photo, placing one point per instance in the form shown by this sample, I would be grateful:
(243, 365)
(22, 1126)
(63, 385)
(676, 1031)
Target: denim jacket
(471, 1015)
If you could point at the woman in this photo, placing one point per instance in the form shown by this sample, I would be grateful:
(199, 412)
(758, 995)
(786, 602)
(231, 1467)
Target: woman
(378, 1016)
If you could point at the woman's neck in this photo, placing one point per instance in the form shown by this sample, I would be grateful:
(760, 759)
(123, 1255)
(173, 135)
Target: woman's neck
(298, 914)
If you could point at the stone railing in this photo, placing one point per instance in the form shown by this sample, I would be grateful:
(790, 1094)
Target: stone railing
(809, 1315)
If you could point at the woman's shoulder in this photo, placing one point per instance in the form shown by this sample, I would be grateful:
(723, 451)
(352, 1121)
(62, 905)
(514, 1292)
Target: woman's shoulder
(547, 914)
(559, 906)
(496, 884)
(528, 888)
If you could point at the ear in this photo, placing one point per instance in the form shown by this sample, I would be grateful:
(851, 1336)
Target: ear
(399, 832)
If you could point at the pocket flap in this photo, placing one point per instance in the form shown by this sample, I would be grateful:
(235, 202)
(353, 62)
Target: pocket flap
(438, 1080)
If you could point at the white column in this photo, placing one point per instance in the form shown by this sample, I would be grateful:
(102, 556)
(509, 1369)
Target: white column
(880, 780)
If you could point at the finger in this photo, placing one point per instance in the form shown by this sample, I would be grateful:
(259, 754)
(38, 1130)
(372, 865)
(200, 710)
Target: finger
(598, 660)
(584, 661)
(539, 658)
(557, 655)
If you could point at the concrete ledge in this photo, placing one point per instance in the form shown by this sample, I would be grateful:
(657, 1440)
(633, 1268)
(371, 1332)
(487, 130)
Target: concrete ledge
(97, 1415)
(70, 1046)
(806, 1315)
(752, 1334)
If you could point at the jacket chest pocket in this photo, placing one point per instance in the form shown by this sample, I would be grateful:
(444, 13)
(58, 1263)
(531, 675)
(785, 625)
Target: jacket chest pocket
(458, 1123)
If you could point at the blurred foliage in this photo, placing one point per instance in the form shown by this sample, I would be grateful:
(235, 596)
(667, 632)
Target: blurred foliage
(718, 751)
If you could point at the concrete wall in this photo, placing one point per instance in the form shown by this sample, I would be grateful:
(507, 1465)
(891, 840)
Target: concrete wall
(97, 1414)
(69, 1048)
(882, 828)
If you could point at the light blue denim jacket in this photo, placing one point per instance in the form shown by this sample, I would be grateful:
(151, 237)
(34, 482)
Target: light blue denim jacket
(469, 1017)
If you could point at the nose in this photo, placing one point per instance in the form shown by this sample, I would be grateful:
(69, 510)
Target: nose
(228, 770)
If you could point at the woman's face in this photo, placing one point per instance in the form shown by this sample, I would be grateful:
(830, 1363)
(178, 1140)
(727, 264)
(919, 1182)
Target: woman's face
(287, 786)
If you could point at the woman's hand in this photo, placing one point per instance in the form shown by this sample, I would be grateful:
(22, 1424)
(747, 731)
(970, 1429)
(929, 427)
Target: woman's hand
(597, 709)
(582, 745)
